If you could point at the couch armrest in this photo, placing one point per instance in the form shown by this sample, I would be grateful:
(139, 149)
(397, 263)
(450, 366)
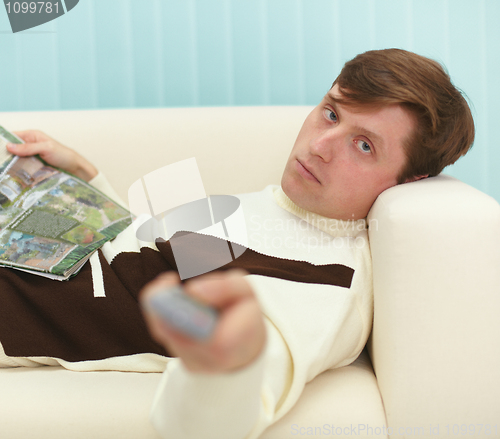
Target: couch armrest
(435, 344)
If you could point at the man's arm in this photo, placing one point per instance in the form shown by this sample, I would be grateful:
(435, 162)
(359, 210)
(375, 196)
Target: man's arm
(216, 390)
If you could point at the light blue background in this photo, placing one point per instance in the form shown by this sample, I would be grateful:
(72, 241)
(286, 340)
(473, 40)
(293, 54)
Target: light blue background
(154, 53)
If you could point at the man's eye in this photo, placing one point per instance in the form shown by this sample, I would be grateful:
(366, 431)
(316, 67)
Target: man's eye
(363, 146)
(330, 115)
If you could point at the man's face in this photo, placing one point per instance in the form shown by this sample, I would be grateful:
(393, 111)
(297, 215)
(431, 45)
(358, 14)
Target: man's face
(344, 158)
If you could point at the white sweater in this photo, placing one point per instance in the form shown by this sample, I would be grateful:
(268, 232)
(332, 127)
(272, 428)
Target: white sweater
(310, 327)
(317, 309)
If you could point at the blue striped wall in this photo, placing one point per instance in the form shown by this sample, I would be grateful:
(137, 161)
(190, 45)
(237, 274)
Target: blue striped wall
(153, 53)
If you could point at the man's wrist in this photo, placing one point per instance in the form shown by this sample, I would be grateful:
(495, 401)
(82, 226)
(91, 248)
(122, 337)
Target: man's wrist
(86, 171)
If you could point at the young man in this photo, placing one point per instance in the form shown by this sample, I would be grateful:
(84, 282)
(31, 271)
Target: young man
(301, 307)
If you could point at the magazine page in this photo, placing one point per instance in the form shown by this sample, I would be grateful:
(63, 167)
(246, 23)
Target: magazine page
(51, 221)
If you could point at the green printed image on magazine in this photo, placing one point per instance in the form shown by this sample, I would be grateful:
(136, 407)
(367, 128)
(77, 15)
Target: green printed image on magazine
(29, 251)
(83, 235)
(38, 222)
(74, 199)
(23, 175)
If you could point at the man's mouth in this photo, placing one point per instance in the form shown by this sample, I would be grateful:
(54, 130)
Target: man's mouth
(305, 172)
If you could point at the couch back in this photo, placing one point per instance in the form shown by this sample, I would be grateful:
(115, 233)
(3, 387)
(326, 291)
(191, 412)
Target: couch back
(238, 149)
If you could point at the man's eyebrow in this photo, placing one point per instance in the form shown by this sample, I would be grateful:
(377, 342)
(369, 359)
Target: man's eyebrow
(374, 137)
(330, 97)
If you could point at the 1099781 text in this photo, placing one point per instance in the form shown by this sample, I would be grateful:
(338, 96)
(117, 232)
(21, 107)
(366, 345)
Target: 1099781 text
(32, 7)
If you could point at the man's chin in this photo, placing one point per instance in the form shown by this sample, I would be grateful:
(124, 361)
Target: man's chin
(288, 187)
(302, 198)
(297, 196)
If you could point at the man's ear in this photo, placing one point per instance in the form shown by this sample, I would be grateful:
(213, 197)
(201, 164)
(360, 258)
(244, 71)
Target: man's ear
(416, 178)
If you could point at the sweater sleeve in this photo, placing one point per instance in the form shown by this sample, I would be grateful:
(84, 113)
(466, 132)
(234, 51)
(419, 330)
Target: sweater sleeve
(243, 404)
(223, 406)
(193, 405)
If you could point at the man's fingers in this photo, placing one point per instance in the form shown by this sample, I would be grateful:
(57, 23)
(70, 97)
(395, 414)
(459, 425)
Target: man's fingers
(240, 331)
(27, 149)
(162, 281)
(30, 136)
(239, 335)
(156, 325)
(176, 343)
(33, 136)
(36, 142)
(155, 322)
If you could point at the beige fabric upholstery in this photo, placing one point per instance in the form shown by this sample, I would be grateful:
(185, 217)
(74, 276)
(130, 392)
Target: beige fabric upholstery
(436, 336)
(237, 149)
(436, 248)
(51, 402)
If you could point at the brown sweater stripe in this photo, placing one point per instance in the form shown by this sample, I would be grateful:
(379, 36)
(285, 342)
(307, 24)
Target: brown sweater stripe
(42, 317)
(197, 249)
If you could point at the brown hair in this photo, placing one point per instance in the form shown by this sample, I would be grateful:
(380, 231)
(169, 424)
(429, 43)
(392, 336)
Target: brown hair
(445, 127)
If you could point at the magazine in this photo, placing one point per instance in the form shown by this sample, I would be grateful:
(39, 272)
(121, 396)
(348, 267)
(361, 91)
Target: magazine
(51, 221)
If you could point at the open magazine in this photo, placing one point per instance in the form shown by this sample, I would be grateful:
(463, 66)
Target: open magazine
(50, 221)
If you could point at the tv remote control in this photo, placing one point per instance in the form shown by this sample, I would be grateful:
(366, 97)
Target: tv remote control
(184, 313)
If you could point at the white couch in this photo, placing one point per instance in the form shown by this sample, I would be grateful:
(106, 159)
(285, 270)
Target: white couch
(435, 346)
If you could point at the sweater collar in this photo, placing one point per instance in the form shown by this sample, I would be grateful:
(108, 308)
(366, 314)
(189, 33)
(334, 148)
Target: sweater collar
(334, 227)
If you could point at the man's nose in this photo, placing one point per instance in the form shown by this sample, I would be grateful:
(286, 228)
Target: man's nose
(325, 144)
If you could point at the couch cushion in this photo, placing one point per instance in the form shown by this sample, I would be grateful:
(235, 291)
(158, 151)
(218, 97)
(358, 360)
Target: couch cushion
(51, 402)
(55, 403)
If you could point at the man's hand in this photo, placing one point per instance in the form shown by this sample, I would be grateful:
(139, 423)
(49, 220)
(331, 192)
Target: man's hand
(239, 336)
(53, 153)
